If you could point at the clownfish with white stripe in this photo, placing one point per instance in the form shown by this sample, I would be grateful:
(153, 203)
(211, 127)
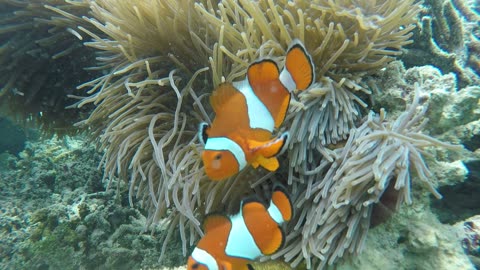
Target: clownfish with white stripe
(232, 242)
(248, 111)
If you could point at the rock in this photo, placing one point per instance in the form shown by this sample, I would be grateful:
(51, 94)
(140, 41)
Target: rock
(421, 238)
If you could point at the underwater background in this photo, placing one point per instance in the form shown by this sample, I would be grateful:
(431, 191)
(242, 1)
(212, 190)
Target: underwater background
(100, 103)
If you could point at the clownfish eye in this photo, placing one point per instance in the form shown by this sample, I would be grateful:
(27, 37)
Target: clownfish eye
(195, 266)
(218, 157)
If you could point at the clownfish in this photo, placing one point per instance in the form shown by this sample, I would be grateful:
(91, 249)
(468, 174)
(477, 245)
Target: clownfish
(232, 242)
(248, 111)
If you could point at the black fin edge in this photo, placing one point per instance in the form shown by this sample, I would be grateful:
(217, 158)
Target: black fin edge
(253, 198)
(202, 132)
(259, 61)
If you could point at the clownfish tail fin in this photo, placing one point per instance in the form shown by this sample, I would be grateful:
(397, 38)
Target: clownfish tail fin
(202, 132)
(280, 209)
(299, 70)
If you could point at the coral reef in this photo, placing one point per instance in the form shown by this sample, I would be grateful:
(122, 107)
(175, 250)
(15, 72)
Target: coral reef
(42, 60)
(411, 239)
(372, 169)
(160, 59)
(448, 37)
(55, 213)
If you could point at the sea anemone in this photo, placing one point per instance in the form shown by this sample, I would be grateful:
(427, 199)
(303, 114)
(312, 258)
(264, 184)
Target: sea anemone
(155, 56)
(347, 39)
(36, 70)
(381, 154)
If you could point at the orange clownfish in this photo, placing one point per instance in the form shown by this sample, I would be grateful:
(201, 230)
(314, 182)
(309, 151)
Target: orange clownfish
(232, 242)
(246, 113)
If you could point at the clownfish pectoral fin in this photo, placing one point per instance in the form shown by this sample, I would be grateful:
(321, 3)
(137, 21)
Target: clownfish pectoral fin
(266, 152)
(263, 71)
(250, 267)
(299, 70)
(221, 95)
(202, 132)
(224, 265)
(270, 164)
(270, 148)
(213, 221)
(282, 203)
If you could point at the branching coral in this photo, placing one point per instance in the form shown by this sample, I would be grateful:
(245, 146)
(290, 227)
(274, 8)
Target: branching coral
(36, 55)
(449, 38)
(379, 154)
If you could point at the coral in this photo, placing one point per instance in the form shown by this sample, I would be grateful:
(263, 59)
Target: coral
(74, 223)
(42, 61)
(448, 37)
(412, 239)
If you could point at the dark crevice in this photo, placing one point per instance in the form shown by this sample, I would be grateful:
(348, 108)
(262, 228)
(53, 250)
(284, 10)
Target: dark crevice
(460, 201)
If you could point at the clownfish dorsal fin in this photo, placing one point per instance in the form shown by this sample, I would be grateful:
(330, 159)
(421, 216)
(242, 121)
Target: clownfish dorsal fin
(299, 67)
(214, 221)
(262, 71)
(222, 95)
